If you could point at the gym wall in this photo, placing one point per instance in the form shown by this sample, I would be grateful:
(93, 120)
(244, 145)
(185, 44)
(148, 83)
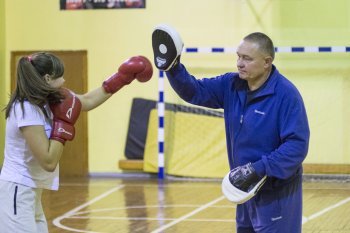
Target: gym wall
(3, 96)
(111, 36)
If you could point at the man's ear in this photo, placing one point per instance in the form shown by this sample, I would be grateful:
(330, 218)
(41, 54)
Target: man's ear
(268, 61)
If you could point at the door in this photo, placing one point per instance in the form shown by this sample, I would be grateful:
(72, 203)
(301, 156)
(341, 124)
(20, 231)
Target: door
(74, 160)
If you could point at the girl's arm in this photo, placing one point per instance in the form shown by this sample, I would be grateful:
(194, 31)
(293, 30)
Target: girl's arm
(93, 99)
(137, 67)
(47, 152)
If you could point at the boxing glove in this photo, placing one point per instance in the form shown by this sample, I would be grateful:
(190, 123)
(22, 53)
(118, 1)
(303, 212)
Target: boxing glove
(65, 114)
(138, 67)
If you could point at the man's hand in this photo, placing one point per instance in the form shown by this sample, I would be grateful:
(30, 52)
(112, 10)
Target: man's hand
(241, 184)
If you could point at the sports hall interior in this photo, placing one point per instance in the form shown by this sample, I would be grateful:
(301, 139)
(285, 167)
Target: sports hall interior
(102, 190)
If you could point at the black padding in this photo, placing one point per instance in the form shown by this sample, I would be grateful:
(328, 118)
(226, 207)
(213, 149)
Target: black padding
(138, 123)
(163, 60)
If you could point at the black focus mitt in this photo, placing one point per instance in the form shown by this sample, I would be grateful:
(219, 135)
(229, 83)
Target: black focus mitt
(241, 184)
(167, 47)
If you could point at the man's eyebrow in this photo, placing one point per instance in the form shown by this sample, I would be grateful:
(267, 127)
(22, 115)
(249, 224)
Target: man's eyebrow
(242, 55)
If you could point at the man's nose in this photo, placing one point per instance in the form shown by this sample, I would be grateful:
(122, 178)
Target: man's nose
(240, 63)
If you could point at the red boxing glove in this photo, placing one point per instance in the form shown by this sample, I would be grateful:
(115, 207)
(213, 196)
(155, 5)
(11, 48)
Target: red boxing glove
(65, 114)
(138, 67)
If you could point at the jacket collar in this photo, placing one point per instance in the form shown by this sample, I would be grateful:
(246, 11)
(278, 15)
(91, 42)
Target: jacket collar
(268, 88)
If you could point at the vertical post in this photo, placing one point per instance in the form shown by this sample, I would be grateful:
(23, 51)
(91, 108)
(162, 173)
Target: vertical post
(161, 111)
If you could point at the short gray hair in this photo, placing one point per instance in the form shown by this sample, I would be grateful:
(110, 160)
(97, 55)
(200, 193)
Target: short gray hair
(264, 42)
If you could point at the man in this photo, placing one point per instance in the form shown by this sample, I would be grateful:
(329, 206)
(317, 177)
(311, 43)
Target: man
(267, 132)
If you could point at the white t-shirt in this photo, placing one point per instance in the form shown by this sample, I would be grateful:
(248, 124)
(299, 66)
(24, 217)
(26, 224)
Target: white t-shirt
(20, 166)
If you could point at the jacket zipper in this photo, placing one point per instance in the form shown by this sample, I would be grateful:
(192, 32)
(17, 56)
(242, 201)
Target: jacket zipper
(15, 201)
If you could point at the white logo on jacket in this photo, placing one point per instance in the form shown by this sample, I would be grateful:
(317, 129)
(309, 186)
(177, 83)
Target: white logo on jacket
(276, 218)
(259, 112)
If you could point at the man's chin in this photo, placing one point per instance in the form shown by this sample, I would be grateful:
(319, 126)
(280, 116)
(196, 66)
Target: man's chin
(241, 76)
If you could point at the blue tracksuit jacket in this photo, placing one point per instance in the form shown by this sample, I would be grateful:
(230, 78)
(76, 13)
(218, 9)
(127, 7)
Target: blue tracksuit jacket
(271, 130)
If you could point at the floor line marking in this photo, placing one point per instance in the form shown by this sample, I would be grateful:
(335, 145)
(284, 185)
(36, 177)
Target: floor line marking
(57, 221)
(162, 228)
(325, 210)
(148, 207)
(151, 219)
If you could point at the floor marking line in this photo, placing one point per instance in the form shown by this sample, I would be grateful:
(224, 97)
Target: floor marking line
(151, 219)
(57, 221)
(162, 228)
(148, 207)
(325, 210)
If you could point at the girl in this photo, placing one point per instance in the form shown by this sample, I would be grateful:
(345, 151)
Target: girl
(40, 117)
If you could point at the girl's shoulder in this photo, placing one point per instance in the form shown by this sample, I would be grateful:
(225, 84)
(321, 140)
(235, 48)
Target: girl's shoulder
(27, 110)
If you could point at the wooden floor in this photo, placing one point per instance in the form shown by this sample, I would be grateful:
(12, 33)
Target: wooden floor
(147, 205)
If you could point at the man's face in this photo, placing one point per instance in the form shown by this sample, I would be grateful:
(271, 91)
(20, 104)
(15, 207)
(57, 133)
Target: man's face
(251, 62)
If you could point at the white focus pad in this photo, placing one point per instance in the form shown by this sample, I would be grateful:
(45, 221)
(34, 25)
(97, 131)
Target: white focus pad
(236, 195)
(167, 46)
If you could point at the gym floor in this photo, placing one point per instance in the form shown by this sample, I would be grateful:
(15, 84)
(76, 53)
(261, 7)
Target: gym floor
(145, 204)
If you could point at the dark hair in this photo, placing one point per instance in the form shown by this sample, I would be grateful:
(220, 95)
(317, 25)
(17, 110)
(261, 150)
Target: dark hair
(31, 84)
(264, 42)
